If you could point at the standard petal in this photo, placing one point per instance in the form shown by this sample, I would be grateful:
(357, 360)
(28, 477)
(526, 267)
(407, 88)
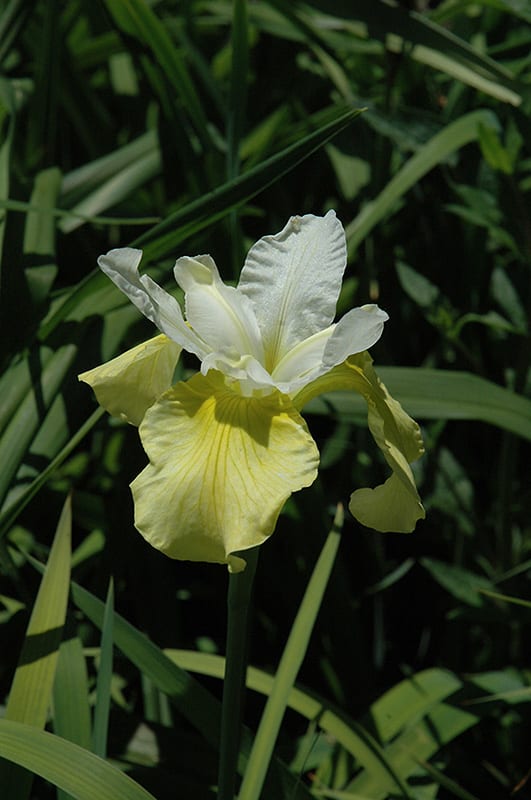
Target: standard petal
(221, 468)
(394, 506)
(219, 314)
(131, 382)
(293, 280)
(302, 363)
(358, 330)
(121, 266)
(313, 357)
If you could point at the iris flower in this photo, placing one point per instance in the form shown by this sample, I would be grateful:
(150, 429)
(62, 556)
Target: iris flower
(227, 447)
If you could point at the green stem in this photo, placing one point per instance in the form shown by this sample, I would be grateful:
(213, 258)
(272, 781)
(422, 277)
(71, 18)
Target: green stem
(238, 608)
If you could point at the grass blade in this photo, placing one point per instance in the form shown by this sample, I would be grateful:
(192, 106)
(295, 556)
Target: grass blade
(103, 686)
(71, 709)
(32, 686)
(289, 666)
(207, 210)
(454, 136)
(238, 85)
(9, 515)
(428, 43)
(78, 772)
(193, 701)
(26, 421)
(136, 18)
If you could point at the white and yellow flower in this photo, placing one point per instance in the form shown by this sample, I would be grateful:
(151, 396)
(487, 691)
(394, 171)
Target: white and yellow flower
(228, 447)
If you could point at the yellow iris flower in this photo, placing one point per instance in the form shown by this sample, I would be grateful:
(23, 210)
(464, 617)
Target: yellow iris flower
(229, 446)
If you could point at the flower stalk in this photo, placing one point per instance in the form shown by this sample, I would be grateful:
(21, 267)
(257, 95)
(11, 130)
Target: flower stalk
(239, 602)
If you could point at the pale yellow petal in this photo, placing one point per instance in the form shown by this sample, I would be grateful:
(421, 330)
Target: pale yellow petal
(131, 382)
(221, 468)
(395, 505)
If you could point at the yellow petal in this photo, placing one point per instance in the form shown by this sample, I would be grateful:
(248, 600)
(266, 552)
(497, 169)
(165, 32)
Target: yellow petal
(130, 383)
(395, 505)
(221, 468)
(392, 506)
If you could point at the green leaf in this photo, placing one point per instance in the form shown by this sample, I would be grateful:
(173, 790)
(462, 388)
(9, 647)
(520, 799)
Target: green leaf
(411, 33)
(31, 690)
(48, 377)
(454, 136)
(461, 583)
(415, 744)
(505, 598)
(503, 291)
(507, 685)
(12, 21)
(238, 85)
(421, 290)
(71, 708)
(411, 699)
(493, 151)
(205, 211)
(103, 686)
(216, 204)
(136, 18)
(81, 182)
(7, 107)
(289, 666)
(11, 512)
(78, 772)
(115, 189)
(194, 702)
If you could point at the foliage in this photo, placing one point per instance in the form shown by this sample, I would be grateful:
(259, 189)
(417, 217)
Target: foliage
(198, 127)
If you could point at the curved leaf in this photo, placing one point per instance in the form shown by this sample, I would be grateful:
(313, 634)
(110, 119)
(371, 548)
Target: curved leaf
(68, 766)
(454, 136)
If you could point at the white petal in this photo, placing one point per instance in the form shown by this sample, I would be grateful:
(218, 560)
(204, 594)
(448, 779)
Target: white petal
(251, 376)
(303, 360)
(121, 266)
(219, 314)
(293, 280)
(358, 330)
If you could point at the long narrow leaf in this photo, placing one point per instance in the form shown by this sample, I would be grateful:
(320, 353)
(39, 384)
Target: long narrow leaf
(428, 43)
(103, 686)
(78, 772)
(136, 18)
(289, 666)
(31, 690)
(9, 514)
(238, 87)
(464, 130)
(194, 702)
(24, 424)
(217, 204)
(401, 706)
(207, 210)
(71, 709)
